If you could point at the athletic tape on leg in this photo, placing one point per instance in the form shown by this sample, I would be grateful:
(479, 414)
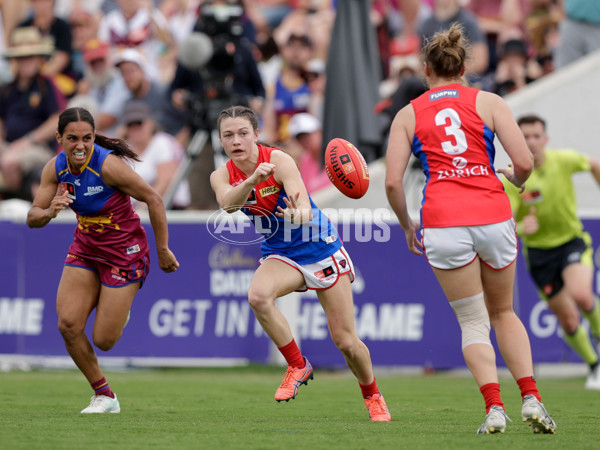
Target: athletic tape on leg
(474, 320)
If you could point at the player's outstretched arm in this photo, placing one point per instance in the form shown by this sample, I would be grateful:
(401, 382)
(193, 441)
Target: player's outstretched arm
(48, 202)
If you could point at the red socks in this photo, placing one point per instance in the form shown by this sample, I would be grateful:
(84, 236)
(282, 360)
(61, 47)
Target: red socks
(101, 387)
(370, 389)
(491, 392)
(292, 355)
(528, 387)
(491, 395)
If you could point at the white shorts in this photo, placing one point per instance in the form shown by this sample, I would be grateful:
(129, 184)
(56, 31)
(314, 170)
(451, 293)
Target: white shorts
(453, 247)
(322, 274)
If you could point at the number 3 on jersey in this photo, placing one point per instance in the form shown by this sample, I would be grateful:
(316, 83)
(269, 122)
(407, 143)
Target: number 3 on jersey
(453, 130)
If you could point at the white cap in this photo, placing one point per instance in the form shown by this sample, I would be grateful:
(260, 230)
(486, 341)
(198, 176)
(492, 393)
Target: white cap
(303, 123)
(130, 55)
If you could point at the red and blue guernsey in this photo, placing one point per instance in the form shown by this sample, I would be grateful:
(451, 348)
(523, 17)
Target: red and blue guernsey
(456, 150)
(305, 244)
(108, 229)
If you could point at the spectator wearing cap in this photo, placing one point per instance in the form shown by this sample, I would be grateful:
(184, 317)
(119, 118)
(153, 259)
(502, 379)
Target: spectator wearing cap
(59, 67)
(134, 70)
(29, 109)
(289, 93)
(515, 68)
(160, 153)
(103, 85)
(307, 134)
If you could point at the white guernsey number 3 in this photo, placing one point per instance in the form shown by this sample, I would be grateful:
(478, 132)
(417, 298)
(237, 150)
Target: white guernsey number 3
(453, 130)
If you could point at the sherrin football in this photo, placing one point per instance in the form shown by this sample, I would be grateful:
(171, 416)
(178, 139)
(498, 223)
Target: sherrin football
(346, 168)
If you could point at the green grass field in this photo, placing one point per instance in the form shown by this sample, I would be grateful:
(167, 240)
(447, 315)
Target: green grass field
(234, 408)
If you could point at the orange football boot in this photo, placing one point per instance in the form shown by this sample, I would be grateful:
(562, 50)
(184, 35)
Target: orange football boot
(378, 410)
(292, 379)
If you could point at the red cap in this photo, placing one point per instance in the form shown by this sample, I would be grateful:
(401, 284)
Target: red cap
(95, 49)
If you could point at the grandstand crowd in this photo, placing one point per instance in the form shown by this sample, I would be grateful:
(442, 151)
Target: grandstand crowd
(144, 73)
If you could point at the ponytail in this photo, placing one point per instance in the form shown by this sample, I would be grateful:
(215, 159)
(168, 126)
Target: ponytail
(118, 146)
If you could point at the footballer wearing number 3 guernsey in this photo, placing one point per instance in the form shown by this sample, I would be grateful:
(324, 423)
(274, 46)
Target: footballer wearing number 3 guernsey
(468, 233)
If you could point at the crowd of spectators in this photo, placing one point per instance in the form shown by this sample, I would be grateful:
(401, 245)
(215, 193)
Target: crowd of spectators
(143, 59)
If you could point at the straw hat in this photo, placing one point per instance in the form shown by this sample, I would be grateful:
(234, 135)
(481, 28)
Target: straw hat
(28, 41)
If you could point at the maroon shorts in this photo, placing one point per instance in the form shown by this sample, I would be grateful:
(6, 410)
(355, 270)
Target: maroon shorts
(110, 275)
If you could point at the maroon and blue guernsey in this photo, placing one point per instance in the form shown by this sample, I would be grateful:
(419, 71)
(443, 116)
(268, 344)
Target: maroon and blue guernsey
(108, 229)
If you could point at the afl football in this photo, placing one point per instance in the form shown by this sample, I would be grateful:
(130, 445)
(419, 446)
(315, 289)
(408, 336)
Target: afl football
(346, 168)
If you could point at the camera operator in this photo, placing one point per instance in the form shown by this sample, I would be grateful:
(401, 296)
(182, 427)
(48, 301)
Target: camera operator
(211, 75)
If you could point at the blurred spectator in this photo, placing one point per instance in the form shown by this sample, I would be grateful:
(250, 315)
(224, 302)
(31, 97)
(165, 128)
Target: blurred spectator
(103, 84)
(446, 12)
(59, 67)
(405, 84)
(579, 31)
(313, 18)
(65, 9)
(315, 76)
(160, 153)
(306, 130)
(84, 27)
(270, 61)
(11, 13)
(137, 23)
(515, 68)
(396, 23)
(289, 94)
(181, 16)
(495, 18)
(134, 67)
(267, 14)
(542, 28)
(29, 109)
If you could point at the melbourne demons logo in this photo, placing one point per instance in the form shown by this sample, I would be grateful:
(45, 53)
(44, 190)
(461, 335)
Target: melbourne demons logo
(252, 198)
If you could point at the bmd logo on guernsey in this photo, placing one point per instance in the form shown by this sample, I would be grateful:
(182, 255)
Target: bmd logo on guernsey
(237, 228)
(93, 190)
(442, 94)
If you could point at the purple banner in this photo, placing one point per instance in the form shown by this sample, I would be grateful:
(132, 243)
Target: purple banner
(201, 311)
